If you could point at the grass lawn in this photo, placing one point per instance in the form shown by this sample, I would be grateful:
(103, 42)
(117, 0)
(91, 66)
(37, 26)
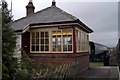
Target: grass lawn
(96, 64)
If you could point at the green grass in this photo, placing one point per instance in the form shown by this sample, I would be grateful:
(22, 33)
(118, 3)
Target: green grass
(96, 64)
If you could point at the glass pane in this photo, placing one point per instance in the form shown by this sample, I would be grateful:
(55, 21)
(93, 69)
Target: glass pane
(69, 40)
(33, 35)
(42, 34)
(47, 48)
(58, 48)
(42, 41)
(37, 41)
(59, 38)
(42, 48)
(64, 47)
(33, 48)
(46, 34)
(65, 40)
(59, 43)
(54, 47)
(69, 47)
(33, 41)
(46, 41)
(37, 48)
(37, 35)
(53, 40)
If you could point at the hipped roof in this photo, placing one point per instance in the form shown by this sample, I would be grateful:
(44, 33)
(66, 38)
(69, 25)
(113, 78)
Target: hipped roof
(48, 15)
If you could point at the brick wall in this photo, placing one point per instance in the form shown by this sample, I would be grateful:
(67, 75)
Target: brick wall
(77, 62)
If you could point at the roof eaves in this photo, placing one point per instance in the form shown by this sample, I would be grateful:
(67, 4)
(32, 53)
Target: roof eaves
(84, 26)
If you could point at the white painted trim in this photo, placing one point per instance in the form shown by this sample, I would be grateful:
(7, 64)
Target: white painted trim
(25, 28)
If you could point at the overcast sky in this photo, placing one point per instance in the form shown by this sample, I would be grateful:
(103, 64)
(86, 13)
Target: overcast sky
(99, 15)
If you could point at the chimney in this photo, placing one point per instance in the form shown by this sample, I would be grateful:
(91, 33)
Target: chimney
(53, 3)
(30, 8)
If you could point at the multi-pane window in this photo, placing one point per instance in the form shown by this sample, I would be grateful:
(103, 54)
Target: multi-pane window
(59, 40)
(52, 41)
(40, 41)
(62, 40)
(56, 41)
(67, 40)
(81, 41)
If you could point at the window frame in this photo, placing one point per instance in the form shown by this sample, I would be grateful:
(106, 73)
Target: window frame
(82, 41)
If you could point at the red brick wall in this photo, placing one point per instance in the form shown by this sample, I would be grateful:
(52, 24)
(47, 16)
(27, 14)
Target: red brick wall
(81, 59)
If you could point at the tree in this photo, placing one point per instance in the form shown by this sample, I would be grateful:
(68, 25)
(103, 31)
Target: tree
(9, 62)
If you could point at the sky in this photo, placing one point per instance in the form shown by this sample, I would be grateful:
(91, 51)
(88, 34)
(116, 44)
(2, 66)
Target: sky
(100, 15)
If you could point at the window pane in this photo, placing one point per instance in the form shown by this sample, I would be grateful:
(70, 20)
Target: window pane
(33, 41)
(46, 41)
(37, 35)
(37, 41)
(65, 40)
(42, 48)
(64, 47)
(54, 47)
(69, 47)
(53, 40)
(46, 34)
(42, 34)
(59, 39)
(42, 41)
(37, 48)
(58, 47)
(47, 48)
(33, 35)
(69, 40)
(33, 48)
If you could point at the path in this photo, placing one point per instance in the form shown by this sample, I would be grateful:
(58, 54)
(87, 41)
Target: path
(100, 73)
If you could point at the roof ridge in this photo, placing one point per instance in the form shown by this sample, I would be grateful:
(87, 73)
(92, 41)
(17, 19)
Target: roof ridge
(62, 11)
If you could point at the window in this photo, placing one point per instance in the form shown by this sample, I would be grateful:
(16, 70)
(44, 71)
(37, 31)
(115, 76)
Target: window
(59, 40)
(81, 41)
(62, 40)
(40, 41)
(56, 41)
(67, 40)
